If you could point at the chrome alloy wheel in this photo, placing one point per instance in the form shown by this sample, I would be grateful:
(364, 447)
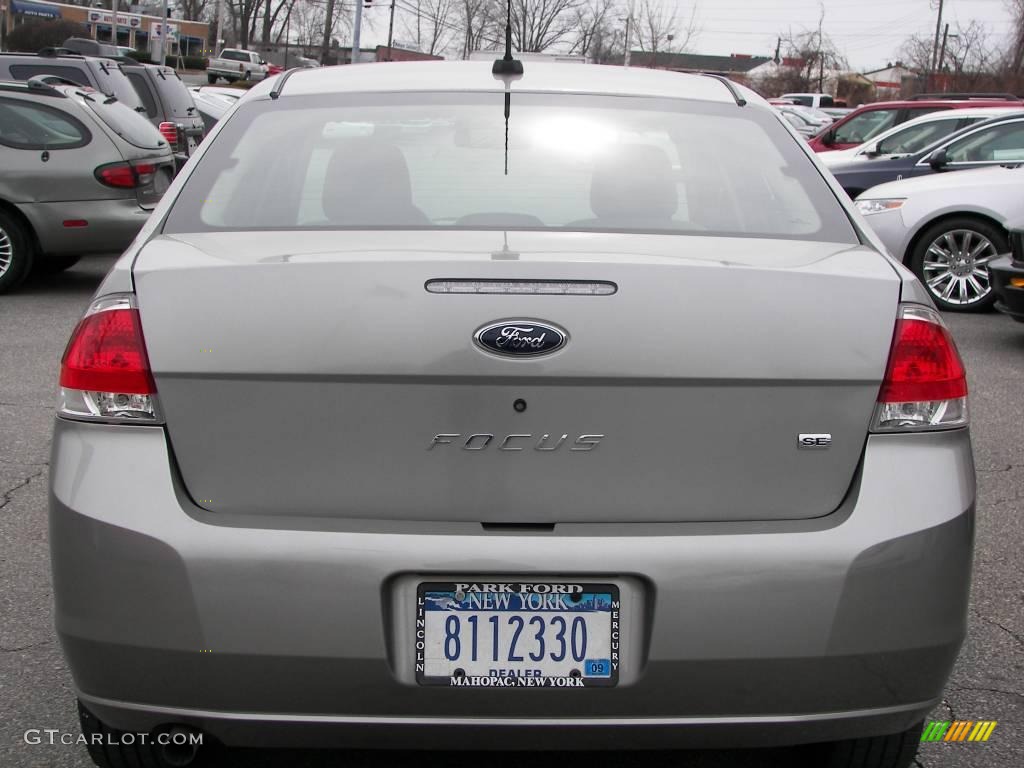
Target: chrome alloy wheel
(956, 266)
(6, 252)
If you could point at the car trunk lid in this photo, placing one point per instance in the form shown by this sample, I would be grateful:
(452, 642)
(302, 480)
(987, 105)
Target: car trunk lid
(315, 379)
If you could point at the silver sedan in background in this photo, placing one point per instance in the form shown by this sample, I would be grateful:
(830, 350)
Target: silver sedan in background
(948, 228)
(80, 174)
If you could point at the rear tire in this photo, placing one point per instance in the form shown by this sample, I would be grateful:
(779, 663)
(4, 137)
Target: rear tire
(53, 264)
(211, 79)
(894, 751)
(958, 237)
(16, 252)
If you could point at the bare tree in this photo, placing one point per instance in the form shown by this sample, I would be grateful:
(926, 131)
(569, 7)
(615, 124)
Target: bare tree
(1015, 59)
(659, 30)
(540, 24)
(433, 26)
(967, 59)
(192, 9)
(481, 22)
(595, 30)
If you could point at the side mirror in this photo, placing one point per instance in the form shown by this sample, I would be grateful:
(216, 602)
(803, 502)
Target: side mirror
(829, 137)
(938, 160)
(872, 150)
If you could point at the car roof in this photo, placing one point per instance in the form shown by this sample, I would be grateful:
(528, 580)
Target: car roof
(951, 103)
(475, 76)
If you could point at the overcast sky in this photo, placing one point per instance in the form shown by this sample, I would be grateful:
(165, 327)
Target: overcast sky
(869, 32)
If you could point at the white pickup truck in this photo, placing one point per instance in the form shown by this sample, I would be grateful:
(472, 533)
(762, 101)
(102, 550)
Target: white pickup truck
(236, 64)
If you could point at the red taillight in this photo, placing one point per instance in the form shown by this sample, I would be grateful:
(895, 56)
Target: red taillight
(126, 175)
(925, 385)
(923, 364)
(117, 175)
(107, 354)
(170, 133)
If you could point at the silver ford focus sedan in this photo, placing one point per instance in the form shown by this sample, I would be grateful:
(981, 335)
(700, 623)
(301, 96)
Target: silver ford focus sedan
(434, 407)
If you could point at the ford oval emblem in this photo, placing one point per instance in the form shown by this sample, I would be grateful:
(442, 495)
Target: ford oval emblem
(521, 338)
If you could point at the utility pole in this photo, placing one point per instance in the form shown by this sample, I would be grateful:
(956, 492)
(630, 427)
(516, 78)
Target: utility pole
(357, 24)
(935, 45)
(328, 26)
(629, 32)
(162, 59)
(942, 50)
(391, 27)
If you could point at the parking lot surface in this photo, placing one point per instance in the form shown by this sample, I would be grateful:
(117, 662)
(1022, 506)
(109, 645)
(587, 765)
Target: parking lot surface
(35, 687)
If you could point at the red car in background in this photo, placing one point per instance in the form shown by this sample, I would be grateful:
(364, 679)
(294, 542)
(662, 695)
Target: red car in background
(868, 121)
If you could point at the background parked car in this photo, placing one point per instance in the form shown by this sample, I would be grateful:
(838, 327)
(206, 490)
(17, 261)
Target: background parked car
(169, 106)
(236, 64)
(804, 123)
(105, 75)
(948, 228)
(212, 103)
(86, 46)
(815, 100)
(80, 174)
(996, 141)
(1008, 275)
(914, 135)
(868, 121)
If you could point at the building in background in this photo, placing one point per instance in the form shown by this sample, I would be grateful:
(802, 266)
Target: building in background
(134, 30)
(892, 81)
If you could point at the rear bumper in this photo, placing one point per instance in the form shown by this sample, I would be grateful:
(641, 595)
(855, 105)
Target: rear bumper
(271, 631)
(112, 225)
(1010, 300)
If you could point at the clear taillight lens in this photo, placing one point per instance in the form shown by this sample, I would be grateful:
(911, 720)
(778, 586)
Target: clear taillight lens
(105, 375)
(925, 385)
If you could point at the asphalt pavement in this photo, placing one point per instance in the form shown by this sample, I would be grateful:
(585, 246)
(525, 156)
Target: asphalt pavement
(35, 686)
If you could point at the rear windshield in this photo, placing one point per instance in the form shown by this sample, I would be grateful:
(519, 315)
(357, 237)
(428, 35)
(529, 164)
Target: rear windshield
(584, 163)
(235, 56)
(173, 93)
(126, 123)
(113, 81)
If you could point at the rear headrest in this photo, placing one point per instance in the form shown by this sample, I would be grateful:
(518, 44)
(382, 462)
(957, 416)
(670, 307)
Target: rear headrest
(634, 182)
(367, 182)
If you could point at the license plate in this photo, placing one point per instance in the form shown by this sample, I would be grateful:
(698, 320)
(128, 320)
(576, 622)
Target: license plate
(476, 634)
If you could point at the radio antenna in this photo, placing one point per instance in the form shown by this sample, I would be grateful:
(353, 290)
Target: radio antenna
(507, 65)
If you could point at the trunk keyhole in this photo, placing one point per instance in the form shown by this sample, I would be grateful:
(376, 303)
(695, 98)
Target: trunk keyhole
(45, 156)
(519, 405)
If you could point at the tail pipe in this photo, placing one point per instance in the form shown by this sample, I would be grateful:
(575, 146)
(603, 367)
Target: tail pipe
(182, 745)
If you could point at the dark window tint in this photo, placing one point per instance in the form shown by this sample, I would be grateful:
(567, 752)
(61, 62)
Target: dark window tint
(126, 123)
(864, 126)
(574, 163)
(138, 80)
(112, 81)
(235, 56)
(913, 112)
(173, 93)
(914, 138)
(31, 69)
(1002, 143)
(24, 125)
